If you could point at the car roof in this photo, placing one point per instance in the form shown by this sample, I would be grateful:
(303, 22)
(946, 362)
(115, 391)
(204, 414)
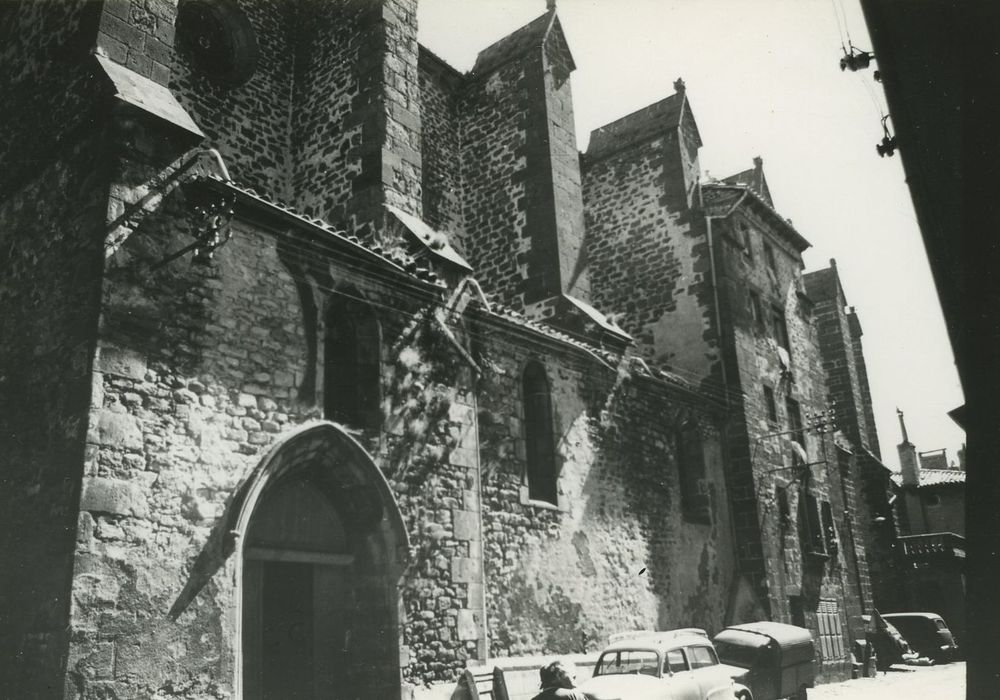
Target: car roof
(658, 640)
(778, 631)
(896, 616)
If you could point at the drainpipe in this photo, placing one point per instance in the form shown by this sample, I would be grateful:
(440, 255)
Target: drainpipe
(479, 502)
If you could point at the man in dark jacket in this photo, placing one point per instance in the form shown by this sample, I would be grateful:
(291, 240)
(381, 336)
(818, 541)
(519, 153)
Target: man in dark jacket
(558, 682)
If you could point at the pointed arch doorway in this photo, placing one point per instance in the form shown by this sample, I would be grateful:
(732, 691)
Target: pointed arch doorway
(322, 547)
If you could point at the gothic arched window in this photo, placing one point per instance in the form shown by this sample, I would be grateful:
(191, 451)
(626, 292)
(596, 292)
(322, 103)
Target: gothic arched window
(539, 437)
(351, 364)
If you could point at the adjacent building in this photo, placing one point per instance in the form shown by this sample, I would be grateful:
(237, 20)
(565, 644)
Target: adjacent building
(930, 507)
(329, 366)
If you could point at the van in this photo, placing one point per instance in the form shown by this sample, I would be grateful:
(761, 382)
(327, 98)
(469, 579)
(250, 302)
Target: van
(926, 633)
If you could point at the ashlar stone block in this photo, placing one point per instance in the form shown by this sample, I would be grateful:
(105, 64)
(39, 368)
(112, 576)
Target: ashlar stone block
(114, 496)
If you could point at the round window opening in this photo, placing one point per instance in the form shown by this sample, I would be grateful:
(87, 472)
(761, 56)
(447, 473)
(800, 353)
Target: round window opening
(219, 38)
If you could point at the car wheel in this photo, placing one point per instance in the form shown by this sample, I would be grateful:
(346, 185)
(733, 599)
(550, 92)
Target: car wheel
(802, 694)
(743, 695)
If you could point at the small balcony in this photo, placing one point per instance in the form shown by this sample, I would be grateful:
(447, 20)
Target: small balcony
(935, 547)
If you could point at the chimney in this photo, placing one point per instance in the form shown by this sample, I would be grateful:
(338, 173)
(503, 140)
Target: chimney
(907, 456)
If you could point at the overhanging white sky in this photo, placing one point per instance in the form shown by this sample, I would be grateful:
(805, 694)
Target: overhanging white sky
(763, 79)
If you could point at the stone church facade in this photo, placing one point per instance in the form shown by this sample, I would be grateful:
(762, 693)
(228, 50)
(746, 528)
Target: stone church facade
(330, 368)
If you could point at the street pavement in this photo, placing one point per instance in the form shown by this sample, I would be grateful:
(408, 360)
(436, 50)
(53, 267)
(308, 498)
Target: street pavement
(945, 682)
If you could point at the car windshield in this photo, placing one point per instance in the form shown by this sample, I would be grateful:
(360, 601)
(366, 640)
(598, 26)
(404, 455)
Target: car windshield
(628, 661)
(738, 654)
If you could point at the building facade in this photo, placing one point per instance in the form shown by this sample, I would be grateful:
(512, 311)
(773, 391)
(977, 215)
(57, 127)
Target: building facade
(930, 508)
(868, 485)
(313, 388)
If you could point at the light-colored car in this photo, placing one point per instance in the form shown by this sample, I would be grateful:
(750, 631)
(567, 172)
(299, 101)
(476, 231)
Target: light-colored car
(675, 665)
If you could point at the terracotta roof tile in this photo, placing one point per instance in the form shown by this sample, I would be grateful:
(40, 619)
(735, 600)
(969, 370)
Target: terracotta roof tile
(935, 477)
(396, 259)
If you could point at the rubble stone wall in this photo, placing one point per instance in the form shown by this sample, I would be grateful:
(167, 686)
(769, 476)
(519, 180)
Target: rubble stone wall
(494, 164)
(441, 146)
(837, 344)
(47, 83)
(51, 231)
(199, 370)
(771, 553)
(648, 259)
(615, 553)
(356, 112)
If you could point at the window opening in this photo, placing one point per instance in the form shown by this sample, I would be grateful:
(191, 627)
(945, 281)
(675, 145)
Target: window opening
(784, 512)
(756, 310)
(772, 409)
(538, 433)
(690, 451)
(772, 264)
(351, 364)
(745, 240)
(780, 327)
(794, 420)
(813, 540)
(829, 529)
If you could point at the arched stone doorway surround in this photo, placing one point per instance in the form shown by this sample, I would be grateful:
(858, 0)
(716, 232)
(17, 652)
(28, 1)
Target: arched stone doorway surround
(320, 546)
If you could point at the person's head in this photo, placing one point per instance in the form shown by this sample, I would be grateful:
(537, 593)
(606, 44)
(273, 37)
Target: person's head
(556, 674)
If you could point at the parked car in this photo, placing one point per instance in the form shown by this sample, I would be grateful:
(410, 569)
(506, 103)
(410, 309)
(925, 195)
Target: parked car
(889, 646)
(926, 633)
(772, 659)
(675, 665)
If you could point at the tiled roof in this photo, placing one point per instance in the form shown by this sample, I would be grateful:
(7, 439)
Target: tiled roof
(609, 359)
(391, 258)
(784, 228)
(754, 179)
(641, 125)
(935, 477)
(513, 45)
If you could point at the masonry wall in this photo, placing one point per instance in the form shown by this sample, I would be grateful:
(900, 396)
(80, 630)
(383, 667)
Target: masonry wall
(944, 508)
(493, 163)
(52, 230)
(866, 394)
(837, 344)
(329, 120)
(441, 146)
(200, 369)
(772, 554)
(356, 113)
(562, 182)
(648, 257)
(248, 124)
(46, 84)
(615, 553)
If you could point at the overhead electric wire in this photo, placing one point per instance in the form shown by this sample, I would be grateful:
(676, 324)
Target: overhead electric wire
(840, 27)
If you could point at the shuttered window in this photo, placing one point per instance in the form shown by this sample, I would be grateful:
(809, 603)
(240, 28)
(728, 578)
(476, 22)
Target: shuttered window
(831, 632)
